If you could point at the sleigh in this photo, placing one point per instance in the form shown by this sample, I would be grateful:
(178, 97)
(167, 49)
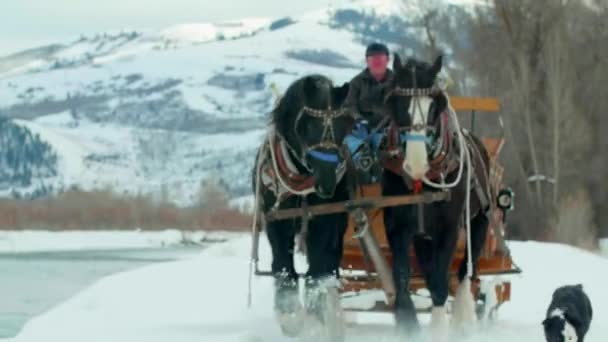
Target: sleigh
(366, 262)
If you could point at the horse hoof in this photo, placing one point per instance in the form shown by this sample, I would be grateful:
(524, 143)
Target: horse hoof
(439, 324)
(289, 311)
(464, 316)
(317, 331)
(291, 323)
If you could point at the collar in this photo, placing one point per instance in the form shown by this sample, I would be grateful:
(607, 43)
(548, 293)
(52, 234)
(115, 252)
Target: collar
(368, 75)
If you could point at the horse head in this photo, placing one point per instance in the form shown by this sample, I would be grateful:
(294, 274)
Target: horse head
(415, 105)
(314, 127)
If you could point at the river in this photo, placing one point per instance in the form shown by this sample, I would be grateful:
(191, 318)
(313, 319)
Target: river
(31, 283)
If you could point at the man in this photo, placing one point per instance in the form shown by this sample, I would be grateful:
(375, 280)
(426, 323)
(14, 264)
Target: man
(366, 95)
(365, 101)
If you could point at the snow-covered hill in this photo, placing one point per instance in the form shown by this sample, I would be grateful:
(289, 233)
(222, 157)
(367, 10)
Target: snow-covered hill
(204, 299)
(143, 110)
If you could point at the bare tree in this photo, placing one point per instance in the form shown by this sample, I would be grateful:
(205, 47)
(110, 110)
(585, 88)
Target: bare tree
(542, 58)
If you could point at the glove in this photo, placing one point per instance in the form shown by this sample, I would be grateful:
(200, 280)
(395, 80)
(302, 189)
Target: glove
(361, 129)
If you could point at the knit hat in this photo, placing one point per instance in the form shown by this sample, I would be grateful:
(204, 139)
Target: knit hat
(376, 49)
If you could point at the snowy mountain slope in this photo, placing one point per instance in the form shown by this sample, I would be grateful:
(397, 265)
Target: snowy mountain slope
(25, 159)
(138, 160)
(204, 299)
(198, 83)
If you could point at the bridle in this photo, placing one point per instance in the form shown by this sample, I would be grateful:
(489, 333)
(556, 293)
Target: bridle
(416, 94)
(328, 139)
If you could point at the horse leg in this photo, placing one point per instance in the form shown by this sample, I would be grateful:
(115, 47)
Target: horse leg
(444, 245)
(287, 304)
(464, 303)
(400, 223)
(399, 237)
(324, 242)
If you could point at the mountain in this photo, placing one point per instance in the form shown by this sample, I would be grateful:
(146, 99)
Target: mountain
(147, 112)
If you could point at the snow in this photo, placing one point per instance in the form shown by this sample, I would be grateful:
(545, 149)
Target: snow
(104, 150)
(204, 299)
(244, 204)
(138, 160)
(206, 32)
(46, 241)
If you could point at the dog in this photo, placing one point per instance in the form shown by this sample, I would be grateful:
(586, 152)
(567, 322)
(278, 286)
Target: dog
(569, 315)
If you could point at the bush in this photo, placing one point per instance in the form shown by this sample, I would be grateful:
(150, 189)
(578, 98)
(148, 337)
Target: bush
(80, 210)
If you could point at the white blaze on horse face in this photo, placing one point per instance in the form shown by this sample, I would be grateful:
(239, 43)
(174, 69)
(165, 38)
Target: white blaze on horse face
(416, 155)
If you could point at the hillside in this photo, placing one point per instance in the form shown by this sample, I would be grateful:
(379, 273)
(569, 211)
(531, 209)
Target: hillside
(138, 111)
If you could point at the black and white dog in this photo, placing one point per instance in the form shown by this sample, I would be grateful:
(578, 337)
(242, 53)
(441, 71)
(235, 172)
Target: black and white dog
(569, 315)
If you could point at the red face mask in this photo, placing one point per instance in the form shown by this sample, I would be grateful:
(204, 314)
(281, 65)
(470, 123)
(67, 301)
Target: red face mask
(377, 64)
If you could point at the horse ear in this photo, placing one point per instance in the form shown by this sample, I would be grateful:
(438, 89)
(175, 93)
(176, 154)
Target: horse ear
(310, 85)
(397, 62)
(437, 65)
(340, 93)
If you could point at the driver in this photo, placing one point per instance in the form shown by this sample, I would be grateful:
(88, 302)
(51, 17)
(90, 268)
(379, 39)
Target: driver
(366, 94)
(365, 101)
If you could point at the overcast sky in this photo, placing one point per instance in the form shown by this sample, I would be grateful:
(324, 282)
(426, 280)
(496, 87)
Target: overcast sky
(28, 23)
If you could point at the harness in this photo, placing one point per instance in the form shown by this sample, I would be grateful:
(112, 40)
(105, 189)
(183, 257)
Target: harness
(445, 161)
(278, 170)
(278, 166)
(328, 136)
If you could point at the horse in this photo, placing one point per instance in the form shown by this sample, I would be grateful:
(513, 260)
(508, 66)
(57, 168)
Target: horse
(302, 163)
(429, 153)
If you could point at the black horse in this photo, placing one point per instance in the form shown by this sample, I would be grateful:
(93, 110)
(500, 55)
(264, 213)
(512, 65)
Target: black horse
(301, 163)
(427, 138)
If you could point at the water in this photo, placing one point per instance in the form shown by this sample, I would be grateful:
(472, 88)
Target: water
(32, 283)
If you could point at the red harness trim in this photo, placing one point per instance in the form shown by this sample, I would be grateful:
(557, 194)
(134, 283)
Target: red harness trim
(417, 187)
(442, 163)
(295, 181)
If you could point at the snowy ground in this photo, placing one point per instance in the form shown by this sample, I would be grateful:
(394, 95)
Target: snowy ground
(45, 241)
(204, 299)
(604, 246)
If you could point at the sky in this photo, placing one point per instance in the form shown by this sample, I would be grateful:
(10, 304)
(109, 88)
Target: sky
(30, 23)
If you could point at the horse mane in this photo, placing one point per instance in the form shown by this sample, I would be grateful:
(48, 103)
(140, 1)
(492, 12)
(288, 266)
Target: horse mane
(280, 112)
(292, 100)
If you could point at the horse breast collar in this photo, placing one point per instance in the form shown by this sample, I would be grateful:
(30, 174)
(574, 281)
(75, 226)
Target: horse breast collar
(445, 160)
(279, 173)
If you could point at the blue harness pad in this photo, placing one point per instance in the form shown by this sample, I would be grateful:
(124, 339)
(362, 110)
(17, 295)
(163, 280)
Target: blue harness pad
(415, 137)
(324, 156)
